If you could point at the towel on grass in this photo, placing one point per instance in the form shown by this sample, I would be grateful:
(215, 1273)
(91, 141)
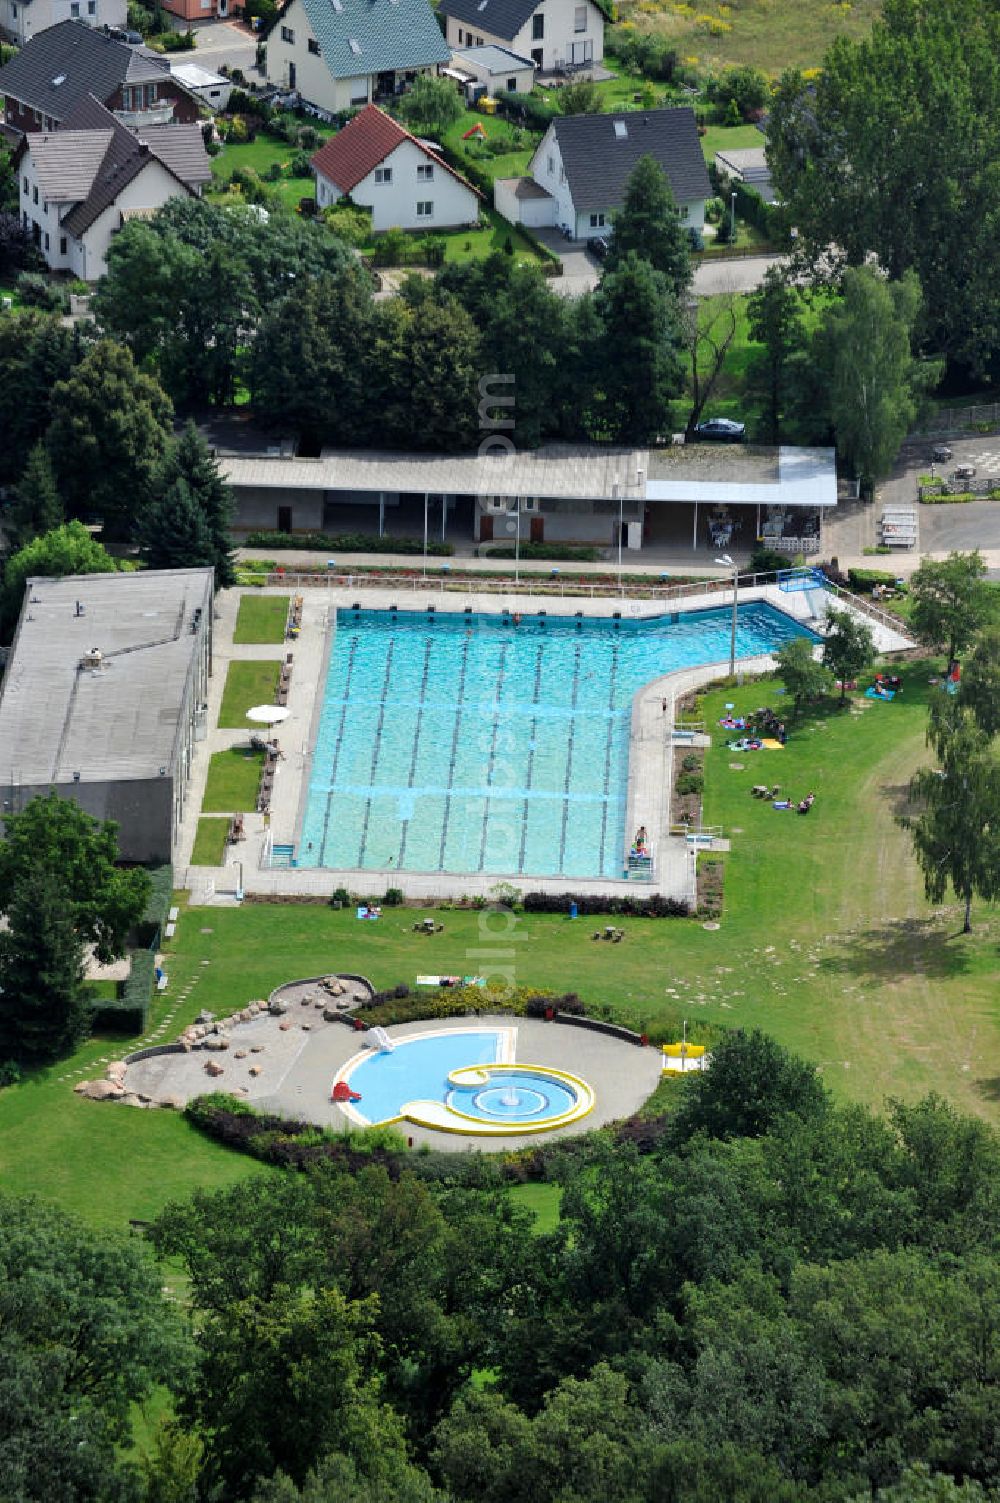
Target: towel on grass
(874, 693)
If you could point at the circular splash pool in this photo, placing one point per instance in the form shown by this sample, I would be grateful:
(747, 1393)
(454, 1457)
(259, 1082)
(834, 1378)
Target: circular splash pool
(514, 1095)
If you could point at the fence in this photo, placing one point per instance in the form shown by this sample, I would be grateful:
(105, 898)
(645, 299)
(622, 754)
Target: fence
(601, 587)
(942, 420)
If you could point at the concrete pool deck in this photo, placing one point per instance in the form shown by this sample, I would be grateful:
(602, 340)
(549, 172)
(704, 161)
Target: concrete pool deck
(650, 750)
(298, 1065)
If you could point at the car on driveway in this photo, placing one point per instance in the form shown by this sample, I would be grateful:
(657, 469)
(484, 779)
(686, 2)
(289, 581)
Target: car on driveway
(722, 430)
(940, 454)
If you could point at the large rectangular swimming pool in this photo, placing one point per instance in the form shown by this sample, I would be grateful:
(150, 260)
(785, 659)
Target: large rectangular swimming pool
(469, 743)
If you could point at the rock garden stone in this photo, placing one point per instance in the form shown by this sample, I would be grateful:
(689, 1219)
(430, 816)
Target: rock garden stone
(213, 1068)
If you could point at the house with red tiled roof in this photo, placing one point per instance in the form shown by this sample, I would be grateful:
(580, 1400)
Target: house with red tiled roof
(380, 166)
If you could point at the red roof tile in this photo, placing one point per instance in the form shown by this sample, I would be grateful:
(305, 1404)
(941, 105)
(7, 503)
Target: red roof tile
(348, 157)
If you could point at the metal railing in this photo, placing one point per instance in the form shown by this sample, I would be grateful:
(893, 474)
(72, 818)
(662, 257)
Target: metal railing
(599, 588)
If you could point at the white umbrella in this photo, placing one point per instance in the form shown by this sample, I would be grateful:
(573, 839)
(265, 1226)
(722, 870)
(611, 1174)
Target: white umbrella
(267, 714)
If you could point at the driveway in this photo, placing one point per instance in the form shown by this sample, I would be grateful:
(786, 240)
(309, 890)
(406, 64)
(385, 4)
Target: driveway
(581, 270)
(218, 42)
(962, 527)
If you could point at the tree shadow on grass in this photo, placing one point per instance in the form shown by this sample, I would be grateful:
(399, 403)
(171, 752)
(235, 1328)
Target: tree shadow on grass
(897, 797)
(988, 1088)
(899, 949)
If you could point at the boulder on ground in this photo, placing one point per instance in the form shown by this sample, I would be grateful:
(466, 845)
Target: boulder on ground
(255, 1070)
(217, 1041)
(284, 1024)
(100, 1090)
(172, 1103)
(239, 1054)
(256, 1048)
(213, 1068)
(132, 1098)
(205, 1016)
(276, 1007)
(330, 1014)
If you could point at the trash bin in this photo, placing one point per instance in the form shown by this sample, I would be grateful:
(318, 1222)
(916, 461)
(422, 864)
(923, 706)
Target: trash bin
(573, 910)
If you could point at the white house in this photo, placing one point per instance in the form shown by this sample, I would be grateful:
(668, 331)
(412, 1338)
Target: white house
(583, 162)
(340, 54)
(402, 180)
(80, 184)
(496, 69)
(20, 20)
(555, 34)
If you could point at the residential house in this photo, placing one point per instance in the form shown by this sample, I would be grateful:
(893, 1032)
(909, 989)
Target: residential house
(210, 88)
(20, 20)
(556, 34)
(78, 185)
(402, 180)
(340, 54)
(58, 68)
(583, 163)
(491, 69)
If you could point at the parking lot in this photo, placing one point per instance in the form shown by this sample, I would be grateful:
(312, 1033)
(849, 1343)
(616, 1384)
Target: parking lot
(964, 526)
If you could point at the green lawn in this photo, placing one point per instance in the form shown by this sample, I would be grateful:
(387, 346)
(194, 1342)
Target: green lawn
(735, 137)
(233, 780)
(247, 684)
(826, 942)
(544, 1200)
(261, 618)
(260, 155)
(210, 842)
(512, 163)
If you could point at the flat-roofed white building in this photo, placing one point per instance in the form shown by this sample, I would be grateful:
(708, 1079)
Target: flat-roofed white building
(104, 696)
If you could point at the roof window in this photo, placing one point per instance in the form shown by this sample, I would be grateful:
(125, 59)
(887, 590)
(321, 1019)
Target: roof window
(60, 78)
(621, 130)
(354, 45)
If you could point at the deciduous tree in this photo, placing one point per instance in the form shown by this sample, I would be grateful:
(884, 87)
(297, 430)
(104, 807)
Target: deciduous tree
(69, 549)
(980, 686)
(803, 676)
(432, 104)
(107, 438)
(640, 349)
(848, 648)
(774, 313)
(54, 834)
(951, 601)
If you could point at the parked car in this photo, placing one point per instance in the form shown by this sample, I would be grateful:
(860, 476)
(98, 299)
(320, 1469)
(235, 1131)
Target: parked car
(940, 454)
(723, 430)
(965, 471)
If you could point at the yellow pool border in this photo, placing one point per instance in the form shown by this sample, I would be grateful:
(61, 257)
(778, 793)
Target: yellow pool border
(440, 1117)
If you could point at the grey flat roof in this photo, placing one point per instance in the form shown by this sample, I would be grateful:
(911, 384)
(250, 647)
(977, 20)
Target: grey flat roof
(493, 58)
(115, 722)
(700, 472)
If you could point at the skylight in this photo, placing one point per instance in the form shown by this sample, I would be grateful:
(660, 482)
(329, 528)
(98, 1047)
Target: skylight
(338, 6)
(59, 79)
(621, 130)
(354, 45)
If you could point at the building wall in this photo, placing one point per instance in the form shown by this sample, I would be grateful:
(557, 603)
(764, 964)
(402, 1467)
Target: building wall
(20, 22)
(42, 217)
(563, 521)
(153, 186)
(166, 91)
(313, 78)
(560, 43)
(537, 213)
(257, 509)
(194, 10)
(395, 202)
(522, 78)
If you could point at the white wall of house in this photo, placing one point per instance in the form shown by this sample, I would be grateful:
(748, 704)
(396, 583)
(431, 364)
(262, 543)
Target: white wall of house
(572, 32)
(37, 211)
(292, 63)
(412, 181)
(21, 22)
(153, 186)
(547, 170)
(536, 213)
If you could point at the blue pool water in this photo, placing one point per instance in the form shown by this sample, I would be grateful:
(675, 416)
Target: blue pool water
(458, 743)
(513, 1094)
(418, 1070)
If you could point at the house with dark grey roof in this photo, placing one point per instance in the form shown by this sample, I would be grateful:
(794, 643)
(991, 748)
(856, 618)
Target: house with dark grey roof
(20, 20)
(583, 163)
(339, 54)
(402, 180)
(558, 35)
(70, 61)
(80, 184)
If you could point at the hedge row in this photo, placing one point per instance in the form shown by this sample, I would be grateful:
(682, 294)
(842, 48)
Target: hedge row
(864, 580)
(290, 1142)
(636, 907)
(346, 542)
(529, 551)
(129, 1012)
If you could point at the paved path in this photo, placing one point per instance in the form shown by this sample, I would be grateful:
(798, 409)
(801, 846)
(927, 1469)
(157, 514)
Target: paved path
(218, 42)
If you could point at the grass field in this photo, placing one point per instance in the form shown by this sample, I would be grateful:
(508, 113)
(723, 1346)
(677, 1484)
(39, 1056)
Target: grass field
(259, 155)
(233, 780)
(247, 684)
(210, 841)
(770, 34)
(261, 618)
(826, 942)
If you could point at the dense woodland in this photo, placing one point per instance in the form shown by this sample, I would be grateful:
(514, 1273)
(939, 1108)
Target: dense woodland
(763, 1297)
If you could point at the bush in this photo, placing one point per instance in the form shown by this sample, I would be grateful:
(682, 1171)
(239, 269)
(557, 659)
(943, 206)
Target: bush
(691, 763)
(347, 542)
(766, 561)
(10, 1073)
(655, 906)
(394, 897)
(37, 291)
(563, 551)
(341, 898)
(350, 224)
(526, 109)
(434, 248)
(391, 247)
(863, 581)
(300, 164)
(690, 782)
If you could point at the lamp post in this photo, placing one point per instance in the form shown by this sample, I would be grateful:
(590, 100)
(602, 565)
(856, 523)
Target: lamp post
(426, 499)
(616, 492)
(728, 563)
(517, 540)
(732, 218)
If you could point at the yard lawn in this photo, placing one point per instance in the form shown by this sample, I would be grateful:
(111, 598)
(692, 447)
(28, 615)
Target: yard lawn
(826, 942)
(247, 683)
(544, 1200)
(261, 618)
(210, 842)
(233, 780)
(735, 137)
(476, 245)
(259, 155)
(513, 163)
